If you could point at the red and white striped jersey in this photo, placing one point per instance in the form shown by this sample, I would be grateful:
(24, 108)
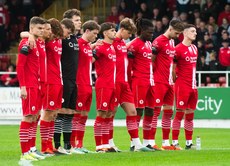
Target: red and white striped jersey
(121, 60)
(186, 58)
(27, 65)
(42, 59)
(84, 72)
(105, 65)
(53, 53)
(163, 63)
(142, 63)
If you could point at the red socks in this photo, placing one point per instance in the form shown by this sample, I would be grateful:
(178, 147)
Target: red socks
(176, 125)
(98, 130)
(44, 131)
(166, 123)
(156, 113)
(24, 136)
(147, 127)
(188, 125)
(131, 123)
(80, 132)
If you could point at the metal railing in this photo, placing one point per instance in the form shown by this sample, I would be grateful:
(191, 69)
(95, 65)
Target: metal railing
(213, 72)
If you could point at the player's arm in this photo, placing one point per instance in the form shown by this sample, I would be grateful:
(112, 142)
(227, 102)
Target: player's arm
(154, 52)
(31, 38)
(97, 43)
(130, 50)
(174, 69)
(155, 49)
(22, 58)
(95, 56)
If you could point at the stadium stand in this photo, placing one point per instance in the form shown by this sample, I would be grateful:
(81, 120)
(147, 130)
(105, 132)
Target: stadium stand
(211, 17)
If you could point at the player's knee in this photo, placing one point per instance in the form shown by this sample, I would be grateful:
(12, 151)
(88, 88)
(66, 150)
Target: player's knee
(101, 113)
(189, 116)
(28, 118)
(131, 112)
(167, 107)
(84, 113)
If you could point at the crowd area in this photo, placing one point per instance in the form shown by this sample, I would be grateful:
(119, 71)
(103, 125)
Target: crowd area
(154, 73)
(211, 18)
(14, 18)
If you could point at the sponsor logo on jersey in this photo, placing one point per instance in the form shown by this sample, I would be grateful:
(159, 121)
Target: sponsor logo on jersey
(191, 59)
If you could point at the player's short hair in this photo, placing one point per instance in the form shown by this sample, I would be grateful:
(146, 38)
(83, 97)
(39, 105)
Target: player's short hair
(142, 24)
(56, 28)
(91, 25)
(37, 20)
(128, 24)
(106, 26)
(71, 12)
(187, 26)
(68, 24)
(177, 25)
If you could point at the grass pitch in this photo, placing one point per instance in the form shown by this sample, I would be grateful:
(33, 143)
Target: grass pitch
(215, 151)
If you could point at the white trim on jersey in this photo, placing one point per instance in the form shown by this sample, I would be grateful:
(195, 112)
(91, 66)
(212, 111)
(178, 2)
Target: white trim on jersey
(151, 75)
(126, 68)
(90, 73)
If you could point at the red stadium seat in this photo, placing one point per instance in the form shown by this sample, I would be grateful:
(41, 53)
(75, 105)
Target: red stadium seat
(21, 27)
(223, 85)
(22, 19)
(222, 80)
(208, 80)
(202, 85)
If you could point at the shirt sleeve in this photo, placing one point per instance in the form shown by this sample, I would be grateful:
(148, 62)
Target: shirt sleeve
(131, 49)
(22, 58)
(155, 47)
(96, 53)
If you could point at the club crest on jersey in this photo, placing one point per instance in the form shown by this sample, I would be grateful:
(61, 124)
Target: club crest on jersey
(181, 103)
(104, 104)
(158, 100)
(141, 101)
(37, 53)
(112, 48)
(51, 103)
(33, 108)
(191, 59)
(80, 104)
(155, 43)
